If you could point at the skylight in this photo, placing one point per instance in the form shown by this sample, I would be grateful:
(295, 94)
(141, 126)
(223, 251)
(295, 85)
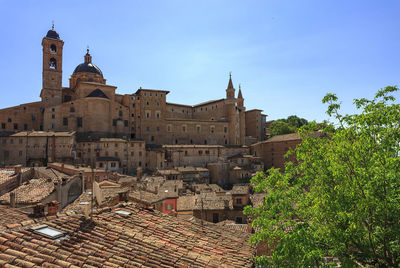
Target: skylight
(48, 232)
(123, 212)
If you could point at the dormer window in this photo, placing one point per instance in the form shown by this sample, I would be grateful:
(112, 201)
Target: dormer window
(53, 63)
(53, 48)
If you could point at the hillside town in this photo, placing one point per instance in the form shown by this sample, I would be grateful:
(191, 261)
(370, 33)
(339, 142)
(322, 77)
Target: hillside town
(89, 176)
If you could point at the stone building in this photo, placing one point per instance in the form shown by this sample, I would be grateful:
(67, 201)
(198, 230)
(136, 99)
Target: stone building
(93, 109)
(255, 126)
(273, 150)
(127, 154)
(30, 148)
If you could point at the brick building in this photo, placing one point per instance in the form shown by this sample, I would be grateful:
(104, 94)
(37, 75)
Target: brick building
(94, 110)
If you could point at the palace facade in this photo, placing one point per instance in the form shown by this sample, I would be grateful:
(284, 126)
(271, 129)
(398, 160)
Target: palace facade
(93, 109)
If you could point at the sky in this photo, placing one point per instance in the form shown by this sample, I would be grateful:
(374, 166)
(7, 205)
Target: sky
(287, 55)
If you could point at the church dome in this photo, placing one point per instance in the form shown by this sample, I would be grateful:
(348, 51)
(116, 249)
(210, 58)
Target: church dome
(52, 34)
(88, 66)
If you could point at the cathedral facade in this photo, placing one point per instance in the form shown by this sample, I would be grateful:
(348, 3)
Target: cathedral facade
(93, 110)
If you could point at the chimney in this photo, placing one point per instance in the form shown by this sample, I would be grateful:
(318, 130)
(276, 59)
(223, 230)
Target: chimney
(86, 211)
(58, 190)
(52, 208)
(38, 211)
(17, 169)
(12, 199)
(83, 181)
(139, 173)
(122, 197)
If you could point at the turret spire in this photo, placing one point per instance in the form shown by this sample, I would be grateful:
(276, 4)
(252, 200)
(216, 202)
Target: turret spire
(230, 84)
(230, 90)
(240, 93)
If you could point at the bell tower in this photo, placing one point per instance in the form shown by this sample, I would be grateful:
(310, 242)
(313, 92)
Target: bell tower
(51, 93)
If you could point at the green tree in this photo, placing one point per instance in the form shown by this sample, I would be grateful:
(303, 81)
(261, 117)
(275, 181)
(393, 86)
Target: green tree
(280, 127)
(295, 121)
(286, 126)
(342, 199)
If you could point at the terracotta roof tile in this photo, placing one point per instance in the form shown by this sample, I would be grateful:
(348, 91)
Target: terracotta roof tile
(145, 237)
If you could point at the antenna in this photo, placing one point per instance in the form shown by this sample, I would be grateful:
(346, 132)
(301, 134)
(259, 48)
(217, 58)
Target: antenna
(52, 25)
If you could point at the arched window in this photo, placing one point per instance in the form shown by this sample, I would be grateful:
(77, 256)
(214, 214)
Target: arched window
(53, 63)
(53, 48)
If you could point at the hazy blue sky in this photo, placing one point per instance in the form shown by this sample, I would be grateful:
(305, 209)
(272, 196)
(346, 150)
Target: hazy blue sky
(286, 54)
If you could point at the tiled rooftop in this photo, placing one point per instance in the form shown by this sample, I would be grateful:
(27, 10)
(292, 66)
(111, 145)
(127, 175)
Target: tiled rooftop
(145, 238)
(205, 201)
(5, 175)
(9, 217)
(240, 189)
(31, 191)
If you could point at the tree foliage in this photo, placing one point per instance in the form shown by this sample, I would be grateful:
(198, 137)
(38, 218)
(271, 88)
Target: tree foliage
(342, 199)
(286, 126)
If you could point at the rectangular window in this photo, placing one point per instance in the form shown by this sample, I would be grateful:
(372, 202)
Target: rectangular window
(53, 116)
(114, 122)
(15, 126)
(158, 114)
(65, 121)
(6, 155)
(125, 123)
(79, 121)
(20, 153)
(9, 120)
(169, 128)
(20, 141)
(25, 126)
(147, 129)
(198, 128)
(225, 129)
(3, 125)
(33, 118)
(184, 128)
